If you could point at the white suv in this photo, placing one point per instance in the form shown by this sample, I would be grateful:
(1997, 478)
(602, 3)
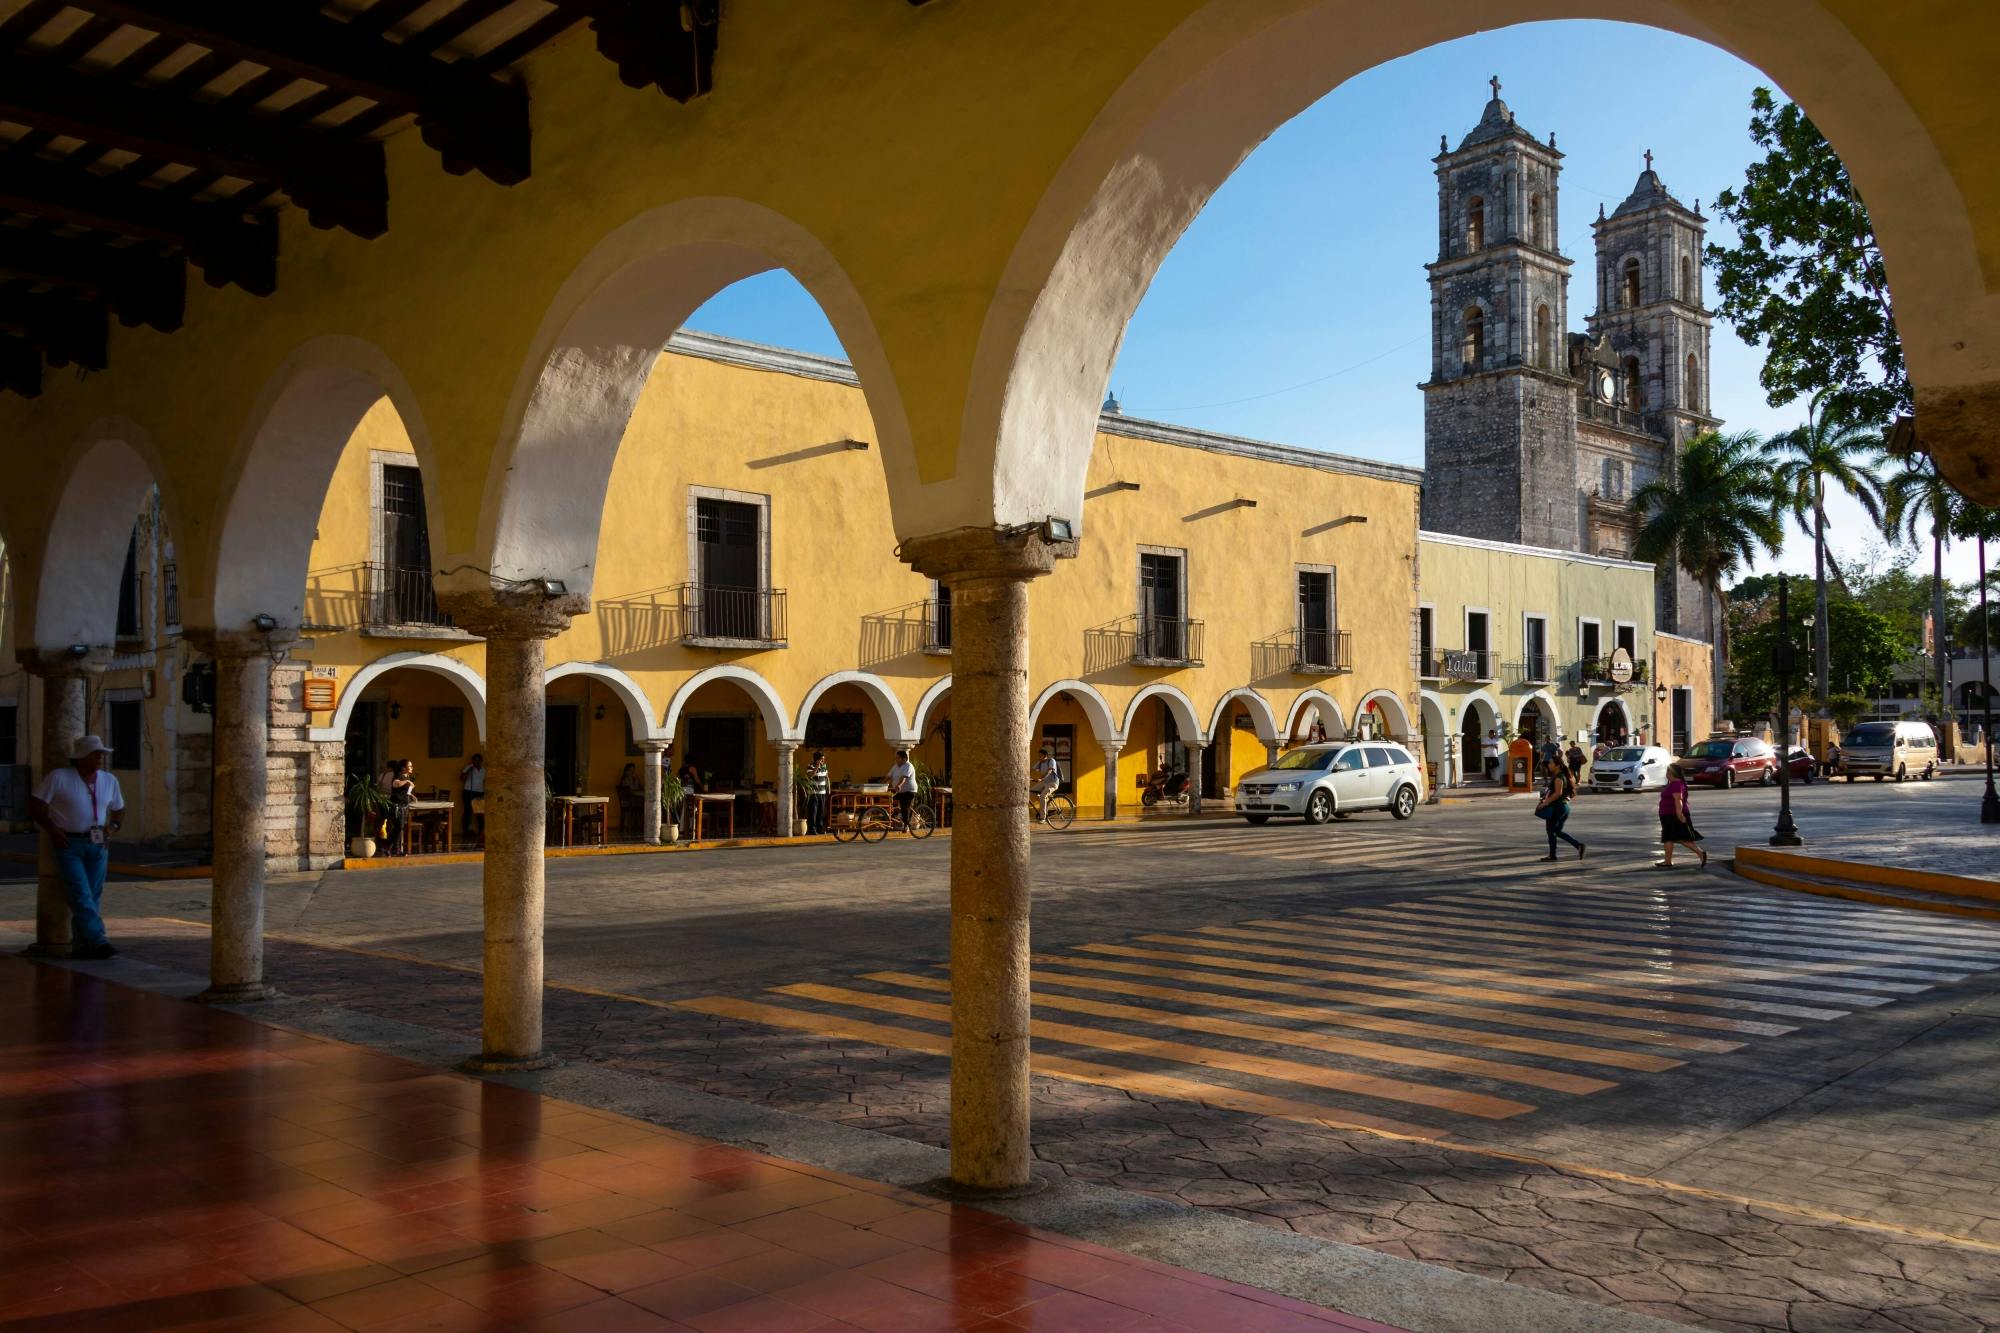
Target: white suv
(1323, 782)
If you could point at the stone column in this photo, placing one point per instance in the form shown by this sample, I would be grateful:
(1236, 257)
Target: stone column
(988, 573)
(650, 753)
(788, 803)
(1194, 753)
(516, 630)
(243, 661)
(64, 690)
(1111, 753)
(1270, 754)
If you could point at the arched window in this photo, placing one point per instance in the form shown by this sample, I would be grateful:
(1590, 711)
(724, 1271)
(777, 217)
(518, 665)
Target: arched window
(1693, 384)
(1544, 353)
(1472, 348)
(1475, 224)
(1535, 222)
(1688, 293)
(1635, 389)
(1631, 283)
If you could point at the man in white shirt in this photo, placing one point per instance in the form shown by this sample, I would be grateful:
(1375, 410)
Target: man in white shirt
(1048, 778)
(903, 785)
(80, 807)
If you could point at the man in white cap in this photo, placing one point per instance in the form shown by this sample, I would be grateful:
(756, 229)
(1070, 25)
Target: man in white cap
(80, 807)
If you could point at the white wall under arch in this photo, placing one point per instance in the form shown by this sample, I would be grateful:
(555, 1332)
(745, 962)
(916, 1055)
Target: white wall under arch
(761, 692)
(75, 598)
(1329, 712)
(932, 699)
(1259, 708)
(469, 681)
(896, 729)
(1395, 713)
(1093, 704)
(1543, 702)
(637, 706)
(1183, 709)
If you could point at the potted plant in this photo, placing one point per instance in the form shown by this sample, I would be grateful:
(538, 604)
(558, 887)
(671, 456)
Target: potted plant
(671, 793)
(367, 803)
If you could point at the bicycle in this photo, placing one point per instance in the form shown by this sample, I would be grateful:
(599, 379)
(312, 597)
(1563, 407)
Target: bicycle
(1060, 812)
(878, 822)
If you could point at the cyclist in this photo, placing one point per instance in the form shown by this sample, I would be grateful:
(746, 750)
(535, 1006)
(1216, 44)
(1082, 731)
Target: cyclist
(1048, 777)
(903, 786)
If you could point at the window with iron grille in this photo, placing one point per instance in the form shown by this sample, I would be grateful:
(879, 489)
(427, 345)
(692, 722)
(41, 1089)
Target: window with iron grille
(1316, 617)
(729, 542)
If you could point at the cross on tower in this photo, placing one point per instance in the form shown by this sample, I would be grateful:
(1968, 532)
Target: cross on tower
(1495, 81)
(1649, 159)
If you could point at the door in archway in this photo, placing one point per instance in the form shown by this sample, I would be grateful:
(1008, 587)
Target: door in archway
(1612, 726)
(1470, 742)
(1530, 726)
(559, 756)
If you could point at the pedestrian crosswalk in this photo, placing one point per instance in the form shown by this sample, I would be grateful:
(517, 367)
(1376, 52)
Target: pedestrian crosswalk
(1427, 1016)
(1371, 841)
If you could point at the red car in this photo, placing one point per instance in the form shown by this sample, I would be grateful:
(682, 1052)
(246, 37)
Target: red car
(1804, 767)
(1725, 763)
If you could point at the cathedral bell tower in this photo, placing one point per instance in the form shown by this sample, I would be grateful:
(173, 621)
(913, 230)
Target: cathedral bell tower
(1499, 420)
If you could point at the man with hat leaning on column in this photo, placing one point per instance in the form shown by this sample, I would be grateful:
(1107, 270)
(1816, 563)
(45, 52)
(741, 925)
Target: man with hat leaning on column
(79, 807)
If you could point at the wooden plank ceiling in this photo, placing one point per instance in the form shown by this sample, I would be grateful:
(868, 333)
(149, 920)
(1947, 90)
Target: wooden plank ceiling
(139, 137)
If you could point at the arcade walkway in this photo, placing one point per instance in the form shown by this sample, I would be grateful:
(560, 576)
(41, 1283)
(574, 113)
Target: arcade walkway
(165, 1165)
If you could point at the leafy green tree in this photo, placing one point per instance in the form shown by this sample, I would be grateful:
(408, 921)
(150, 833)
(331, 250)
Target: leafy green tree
(1830, 448)
(1712, 515)
(1805, 279)
(1866, 652)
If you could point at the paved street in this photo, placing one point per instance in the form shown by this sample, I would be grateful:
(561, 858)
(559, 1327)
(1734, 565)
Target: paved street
(1670, 1091)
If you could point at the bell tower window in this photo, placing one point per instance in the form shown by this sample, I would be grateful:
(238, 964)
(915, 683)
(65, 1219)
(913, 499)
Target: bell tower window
(1693, 388)
(1472, 348)
(1635, 389)
(1688, 293)
(1475, 224)
(1544, 355)
(1631, 283)
(1535, 222)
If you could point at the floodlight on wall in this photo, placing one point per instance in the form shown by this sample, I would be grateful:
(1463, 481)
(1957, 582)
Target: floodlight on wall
(1058, 529)
(264, 624)
(79, 650)
(554, 587)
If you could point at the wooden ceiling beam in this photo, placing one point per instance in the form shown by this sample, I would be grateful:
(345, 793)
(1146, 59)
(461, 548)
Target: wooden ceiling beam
(653, 43)
(337, 182)
(475, 122)
(227, 246)
(70, 332)
(140, 288)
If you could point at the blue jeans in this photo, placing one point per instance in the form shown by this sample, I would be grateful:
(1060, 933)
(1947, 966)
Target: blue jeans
(1558, 816)
(82, 865)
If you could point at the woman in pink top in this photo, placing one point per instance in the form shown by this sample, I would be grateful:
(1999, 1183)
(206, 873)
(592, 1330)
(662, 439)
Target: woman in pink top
(1676, 823)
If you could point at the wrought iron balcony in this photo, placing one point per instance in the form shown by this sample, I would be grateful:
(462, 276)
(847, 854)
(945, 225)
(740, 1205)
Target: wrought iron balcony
(937, 626)
(402, 595)
(1157, 641)
(1322, 652)
(711, 616)
(1534, 669)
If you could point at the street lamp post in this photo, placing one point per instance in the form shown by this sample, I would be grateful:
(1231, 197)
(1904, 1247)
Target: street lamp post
(1989, 804)
(1786, 832)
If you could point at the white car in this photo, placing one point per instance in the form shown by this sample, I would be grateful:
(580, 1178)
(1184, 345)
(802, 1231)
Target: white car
(1332, 781)
(1631, 768)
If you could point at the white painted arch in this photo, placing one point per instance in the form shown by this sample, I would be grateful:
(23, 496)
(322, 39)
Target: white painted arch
(1176, 699)
(1395, 713)
(1258, 707)
(927, 706)
(1094, 706)
(1544, 703)
(769, 705)
(596, 345)
(1622, 703)
(469, 682)
(637, 706)
(895, 727)
(1329, 713)
(1468, 704)
(108, 474)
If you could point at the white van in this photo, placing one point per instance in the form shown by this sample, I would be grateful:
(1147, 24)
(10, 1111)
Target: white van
(1889, 749)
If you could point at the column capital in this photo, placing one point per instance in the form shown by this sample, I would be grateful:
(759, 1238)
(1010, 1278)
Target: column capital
(973, 555)
(273, 643)
(55, 663)
(784, 743)
(653, 747)
(525, 613)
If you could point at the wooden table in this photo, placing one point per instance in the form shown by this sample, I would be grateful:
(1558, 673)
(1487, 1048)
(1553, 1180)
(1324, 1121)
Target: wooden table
(702, 800)
(568, 806)
(422, 813)
(941, 806)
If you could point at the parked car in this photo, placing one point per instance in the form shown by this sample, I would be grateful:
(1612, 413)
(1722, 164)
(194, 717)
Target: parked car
(1800, 760)
(1725, 762)
(1889, 749)
(1631, 768)
(1332, 781)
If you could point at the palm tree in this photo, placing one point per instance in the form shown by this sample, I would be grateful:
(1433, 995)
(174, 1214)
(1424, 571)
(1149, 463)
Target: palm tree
(1829, 448)
(1920, 499)
(1710, 517)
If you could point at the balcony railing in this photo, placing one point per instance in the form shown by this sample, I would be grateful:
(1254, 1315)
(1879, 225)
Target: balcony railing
(722, 617)
(937, 626)
(1322, 652)
(1597, 670)
(403, 595)
(1142, 641)
(1534, 669)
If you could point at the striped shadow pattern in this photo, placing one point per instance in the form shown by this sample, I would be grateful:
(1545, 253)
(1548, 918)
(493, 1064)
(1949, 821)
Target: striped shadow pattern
(1425, 1017)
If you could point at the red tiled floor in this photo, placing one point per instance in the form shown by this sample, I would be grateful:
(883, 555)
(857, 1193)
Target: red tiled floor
(165, 1165)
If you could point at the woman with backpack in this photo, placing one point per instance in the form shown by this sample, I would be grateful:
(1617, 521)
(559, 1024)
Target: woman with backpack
(1553, 808)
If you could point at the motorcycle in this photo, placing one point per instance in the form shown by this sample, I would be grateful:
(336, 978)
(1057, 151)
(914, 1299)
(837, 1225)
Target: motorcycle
(1170, 787)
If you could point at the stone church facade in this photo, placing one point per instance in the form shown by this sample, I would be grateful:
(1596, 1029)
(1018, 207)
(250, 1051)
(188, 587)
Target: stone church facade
(1534, 434)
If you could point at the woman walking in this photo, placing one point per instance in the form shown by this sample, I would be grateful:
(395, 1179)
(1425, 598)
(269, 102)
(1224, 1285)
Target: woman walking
(1676, 822)
(1553, 809)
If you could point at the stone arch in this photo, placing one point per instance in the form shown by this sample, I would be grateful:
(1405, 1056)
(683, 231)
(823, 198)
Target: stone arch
(1093, 705)
(1435, 735)
(1472, 339)
(933, 698)
(277, 477)
(591, 356)
(1631, 283)
(1177, 701)
(1329, 711)
(1475, 224)
(769, 705)
(637, 706)
(1544, 337)
(1395, 712)
(1544, 704)
(896, 729)
(107, 475)
(470, 682)
(1691, 388)
(1260, 712)
(1216, 85)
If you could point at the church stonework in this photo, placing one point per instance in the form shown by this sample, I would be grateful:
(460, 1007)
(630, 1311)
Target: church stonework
(1534, 434)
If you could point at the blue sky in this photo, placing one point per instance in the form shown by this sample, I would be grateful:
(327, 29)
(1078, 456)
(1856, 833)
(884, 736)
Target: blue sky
(1295, 308)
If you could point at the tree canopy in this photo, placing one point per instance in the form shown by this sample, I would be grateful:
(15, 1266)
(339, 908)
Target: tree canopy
(1866, 649)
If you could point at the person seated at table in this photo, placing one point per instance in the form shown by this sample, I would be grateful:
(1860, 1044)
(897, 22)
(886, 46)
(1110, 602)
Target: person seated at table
(401, 781)
(631, 796)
